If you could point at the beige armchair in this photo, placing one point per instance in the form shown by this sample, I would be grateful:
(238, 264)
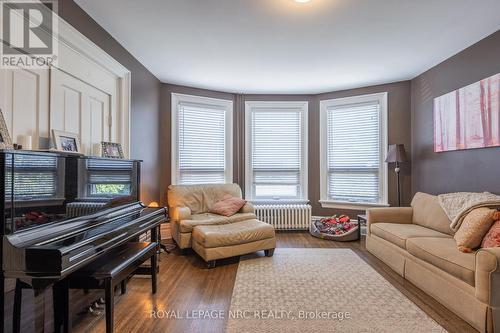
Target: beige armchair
(189, 206)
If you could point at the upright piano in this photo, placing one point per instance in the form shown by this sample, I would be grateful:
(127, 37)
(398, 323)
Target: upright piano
(60, 212)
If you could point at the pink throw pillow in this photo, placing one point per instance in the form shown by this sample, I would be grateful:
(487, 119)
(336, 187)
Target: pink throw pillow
(228, 206)
(492, 238)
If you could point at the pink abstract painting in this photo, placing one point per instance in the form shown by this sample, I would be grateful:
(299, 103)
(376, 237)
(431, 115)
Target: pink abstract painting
(468, 117)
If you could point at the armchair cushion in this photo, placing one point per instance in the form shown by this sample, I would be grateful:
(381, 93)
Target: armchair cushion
(200, 198)
(212, 219)
(202, 219)
(228, 206)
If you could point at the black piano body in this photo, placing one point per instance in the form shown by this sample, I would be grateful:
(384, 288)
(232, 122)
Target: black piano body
(60, 212)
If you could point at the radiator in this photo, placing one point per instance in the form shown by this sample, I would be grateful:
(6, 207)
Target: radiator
(75, 209)
(285, 217)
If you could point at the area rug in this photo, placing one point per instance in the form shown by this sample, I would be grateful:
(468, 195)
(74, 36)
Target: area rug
(319, 290)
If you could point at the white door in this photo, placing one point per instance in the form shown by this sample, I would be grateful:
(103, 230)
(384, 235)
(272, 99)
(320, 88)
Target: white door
(81, 108)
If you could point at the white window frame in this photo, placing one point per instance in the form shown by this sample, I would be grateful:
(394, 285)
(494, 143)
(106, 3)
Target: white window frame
(213, 102)
(303, 106)
(381, 98)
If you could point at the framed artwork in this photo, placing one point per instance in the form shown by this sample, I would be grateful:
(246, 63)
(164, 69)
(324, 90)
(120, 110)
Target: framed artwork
(66, 142)
(468, 117)
(5, 140)
(112, 150)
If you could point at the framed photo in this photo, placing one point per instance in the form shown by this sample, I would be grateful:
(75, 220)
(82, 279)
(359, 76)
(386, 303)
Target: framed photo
(66, 142)
(5, 140)
(112, 150)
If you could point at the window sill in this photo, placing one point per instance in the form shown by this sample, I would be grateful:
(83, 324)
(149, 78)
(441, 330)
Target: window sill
(351, 205)
(279, 202)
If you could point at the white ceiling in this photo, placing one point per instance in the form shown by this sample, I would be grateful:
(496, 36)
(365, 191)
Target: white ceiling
(280, 46)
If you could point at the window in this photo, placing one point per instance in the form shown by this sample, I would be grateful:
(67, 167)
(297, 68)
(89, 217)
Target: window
(353, 147)
(276, 151)
(201, 140)
(110, 178)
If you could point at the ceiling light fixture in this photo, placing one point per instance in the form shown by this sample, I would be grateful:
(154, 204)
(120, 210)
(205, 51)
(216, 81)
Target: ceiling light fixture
(302, 1)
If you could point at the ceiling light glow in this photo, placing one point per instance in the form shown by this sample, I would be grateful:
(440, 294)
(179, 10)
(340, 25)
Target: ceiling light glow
(302, 1)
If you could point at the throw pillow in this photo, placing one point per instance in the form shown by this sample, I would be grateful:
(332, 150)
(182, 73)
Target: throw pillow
(474, 227)
(492, 238)
(228, 206)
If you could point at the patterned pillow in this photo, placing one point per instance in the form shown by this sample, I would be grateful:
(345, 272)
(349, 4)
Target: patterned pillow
(492, 238)
(474, 227)
(228, 206)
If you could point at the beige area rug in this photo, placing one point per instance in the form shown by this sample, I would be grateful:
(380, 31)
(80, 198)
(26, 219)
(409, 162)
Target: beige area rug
(319, 290)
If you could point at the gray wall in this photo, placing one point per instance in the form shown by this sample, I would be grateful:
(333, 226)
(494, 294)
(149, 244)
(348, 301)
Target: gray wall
(465, 170)
(145, 97)
(468, 170)
(399, 132)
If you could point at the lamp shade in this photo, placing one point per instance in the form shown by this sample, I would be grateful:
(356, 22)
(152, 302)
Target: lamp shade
(396, 153)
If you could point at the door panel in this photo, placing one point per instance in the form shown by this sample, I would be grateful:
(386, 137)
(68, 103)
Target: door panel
(24, 103)
(80, 108)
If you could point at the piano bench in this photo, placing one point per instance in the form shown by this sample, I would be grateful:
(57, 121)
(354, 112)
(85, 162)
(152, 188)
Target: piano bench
(113, 269)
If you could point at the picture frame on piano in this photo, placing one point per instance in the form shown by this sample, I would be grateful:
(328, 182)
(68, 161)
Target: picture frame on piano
(66, 142)
(5, 140)
(112, 150)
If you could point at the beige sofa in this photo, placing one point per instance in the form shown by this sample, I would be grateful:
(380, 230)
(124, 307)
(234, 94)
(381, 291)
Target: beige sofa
(418, 244)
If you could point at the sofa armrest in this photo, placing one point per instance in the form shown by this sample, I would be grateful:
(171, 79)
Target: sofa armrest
(401, 215)
(247, 208)
(487, 278)
(179, 213)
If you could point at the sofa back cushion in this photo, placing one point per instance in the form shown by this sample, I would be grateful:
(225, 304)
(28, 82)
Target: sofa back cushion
(427, 212)
(200, 198)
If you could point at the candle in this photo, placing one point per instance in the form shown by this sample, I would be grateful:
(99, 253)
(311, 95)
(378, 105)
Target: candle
(97, 149)
(25, 141)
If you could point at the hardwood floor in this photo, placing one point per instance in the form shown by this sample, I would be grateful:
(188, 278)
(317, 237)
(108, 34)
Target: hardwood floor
(185, 284)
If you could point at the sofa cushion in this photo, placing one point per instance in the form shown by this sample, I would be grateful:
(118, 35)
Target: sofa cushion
(232, 234)
(398, 233)
(200, 198)
(427, 212)
(474, 227)
(443, 253)
(492, 238)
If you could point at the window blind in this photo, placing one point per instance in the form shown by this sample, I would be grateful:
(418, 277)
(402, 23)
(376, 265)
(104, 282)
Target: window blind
(276, 153)
(354, 147)
(201, 143)
(106, 178)
(35, 177)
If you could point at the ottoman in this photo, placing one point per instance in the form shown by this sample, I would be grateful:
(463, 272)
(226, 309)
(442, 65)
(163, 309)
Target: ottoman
(213, 242)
